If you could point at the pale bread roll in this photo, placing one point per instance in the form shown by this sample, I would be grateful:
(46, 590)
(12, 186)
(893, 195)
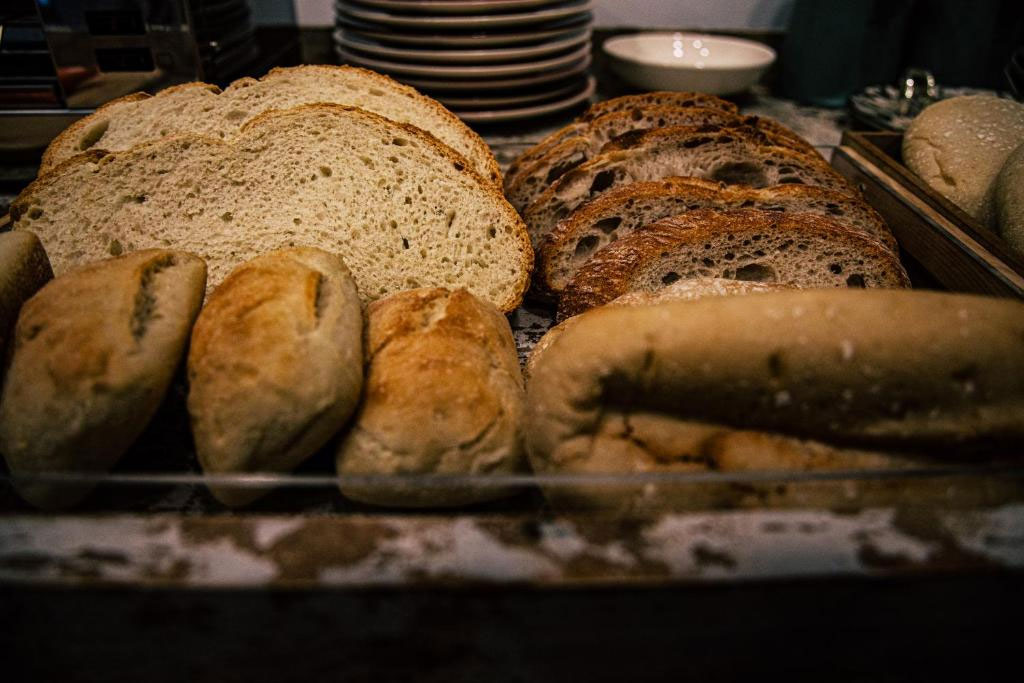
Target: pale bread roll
(276, 365)
(94, 353)
(959, 145)
(443, 395)
(1009, 200)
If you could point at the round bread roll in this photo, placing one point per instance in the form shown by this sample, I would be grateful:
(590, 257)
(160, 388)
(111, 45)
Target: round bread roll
(959, 145)
(1009, 200)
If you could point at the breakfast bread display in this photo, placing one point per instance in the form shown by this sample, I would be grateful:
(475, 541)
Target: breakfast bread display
(203, 109)
(1009, 200)
(959, 145)
(527, 185)
(275, 367)
(94, 352)
(443, 395)
(734, 156)
(624, 210)
(783, 380)
(24, 268)
(395, 204)
(800, 250)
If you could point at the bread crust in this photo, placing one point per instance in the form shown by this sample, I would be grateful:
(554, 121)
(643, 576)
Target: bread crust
(523, 251)
(443, 395)
(651, 388)
(275, 365)
(24, 269)
(623, 265)
(94, 353)
(559, 247)
(65, 144)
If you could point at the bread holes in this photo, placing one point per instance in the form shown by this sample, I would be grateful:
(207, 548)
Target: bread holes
(835, 268)
(491, 233)
(227, 217)
(755, 272)
(458, 166)
(602, 181)
(586, 246)
(399, 142)
(235, 115)
(93, 135)
(297, 221)
(740, 173)
(669, 277)
(834, 209)
(326, 171)
(607, 225)
(450, 216)
(367, 161)
(405, 243)
(376, 92)
(856, 281)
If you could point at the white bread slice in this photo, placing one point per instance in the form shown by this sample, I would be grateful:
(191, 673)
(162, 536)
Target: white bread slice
(737, 156)
(800, 250)
(399, 207)
(202, 108)
(619, 212)
(627, 103)
(530, 182)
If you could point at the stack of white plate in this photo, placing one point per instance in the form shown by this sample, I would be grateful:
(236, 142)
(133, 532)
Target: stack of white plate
(486, 60)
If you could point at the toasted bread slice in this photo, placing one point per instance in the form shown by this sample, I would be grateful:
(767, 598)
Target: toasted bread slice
(737, 156)
(397, 205)
(203, 109)
(617, 213)
(801, 250)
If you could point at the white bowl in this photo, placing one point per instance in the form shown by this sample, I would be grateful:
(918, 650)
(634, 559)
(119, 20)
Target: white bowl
(688, 61)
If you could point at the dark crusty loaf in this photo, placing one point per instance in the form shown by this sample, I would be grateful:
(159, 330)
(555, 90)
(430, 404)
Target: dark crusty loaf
(94, 353)
(394, 203)
(275, 366)
(618, 212)
(735, 156)
(681, 386)
(203, 109)
(534, 177)
(634, 104)
(444, 395)
(797, 249)
(24, 268)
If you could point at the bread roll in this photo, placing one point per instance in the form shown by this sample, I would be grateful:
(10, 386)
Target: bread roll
(1009, 199)
(94, 353)
(276, 365)
(444, 395)
(688, 386)
(958, 146)
(24, 268)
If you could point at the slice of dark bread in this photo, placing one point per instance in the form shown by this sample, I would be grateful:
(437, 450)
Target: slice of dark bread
(532, 179)
(630, 103)
(619, 212)
(737, 156)
(801, 250)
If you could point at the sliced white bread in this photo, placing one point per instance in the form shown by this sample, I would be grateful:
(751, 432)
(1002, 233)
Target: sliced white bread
(202, 108)
(399, 207)
(533, 178)
(801, 250)
(737, 156)
(620, 211)
(634, 104)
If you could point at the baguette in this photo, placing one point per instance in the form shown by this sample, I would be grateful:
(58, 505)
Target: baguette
(395, 204)
(24, 268)
(800, 250)
(275, 366)
(619, 212)
(203, 109)
(766, 381)
(536, 175)
(444, 395)
(734, 156)
(94, 353)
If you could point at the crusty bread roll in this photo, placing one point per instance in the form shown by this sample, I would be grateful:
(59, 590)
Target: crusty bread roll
(958, 146)
(24, 268)
(94, 353)
(276, 365)
(444, 395)
(1009, 199)
(687, 386)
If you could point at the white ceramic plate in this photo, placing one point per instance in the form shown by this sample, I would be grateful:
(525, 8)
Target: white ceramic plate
(516, 113)
(493, 84)
(719, 65)
(484, 71)
(351, 42)
(454, 6)
(515, 99)
(463, 40)
(482, 21)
